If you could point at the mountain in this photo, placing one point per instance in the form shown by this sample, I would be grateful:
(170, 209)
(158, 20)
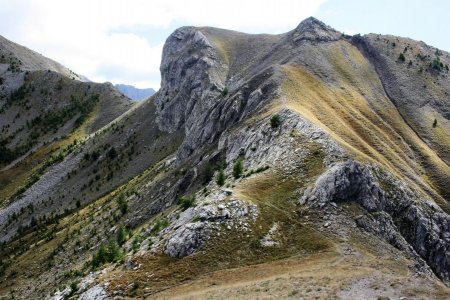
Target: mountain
(309, 164)
(18, 58)
(135, 93)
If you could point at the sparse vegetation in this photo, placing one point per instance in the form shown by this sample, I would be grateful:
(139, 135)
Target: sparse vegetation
(275, 121)
(238, 168)
(107, 218)
(73, 289)
(220, 177)
(437, 64)
(122, 203)
(107, 254)
(112, 153)
(136, 243)
(186, 201)
(208, 174)
(122, 235)
(160, 225)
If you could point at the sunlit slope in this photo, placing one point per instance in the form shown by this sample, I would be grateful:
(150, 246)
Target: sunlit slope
(416, 78)
(347, 99)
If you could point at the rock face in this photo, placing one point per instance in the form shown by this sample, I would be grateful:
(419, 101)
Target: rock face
(397, 214)
(196, 92)
(348, 181)
(192, 79)
(187, 238)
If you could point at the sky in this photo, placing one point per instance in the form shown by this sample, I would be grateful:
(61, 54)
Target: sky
(121, 41)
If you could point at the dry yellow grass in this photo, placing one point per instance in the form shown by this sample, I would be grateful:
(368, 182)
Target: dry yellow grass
(358, 114)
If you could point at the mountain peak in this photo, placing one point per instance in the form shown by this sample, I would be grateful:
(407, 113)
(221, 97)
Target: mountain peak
(313, 29)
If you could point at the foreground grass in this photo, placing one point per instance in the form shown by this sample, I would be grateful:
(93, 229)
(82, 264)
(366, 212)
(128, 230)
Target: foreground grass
(275, 198)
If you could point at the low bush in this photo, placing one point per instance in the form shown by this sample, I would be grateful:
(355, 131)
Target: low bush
(238, 168)
(275, 121)
(122, 203)
(220, 178)
(186, 201)
(107, 254)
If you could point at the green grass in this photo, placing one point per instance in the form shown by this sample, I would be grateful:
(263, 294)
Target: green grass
(276, 200)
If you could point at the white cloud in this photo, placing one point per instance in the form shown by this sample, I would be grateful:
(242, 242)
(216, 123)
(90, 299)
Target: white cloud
(85, 34)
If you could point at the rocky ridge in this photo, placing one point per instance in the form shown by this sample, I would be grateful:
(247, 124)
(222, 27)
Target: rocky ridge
(399, 215)
(245, 106)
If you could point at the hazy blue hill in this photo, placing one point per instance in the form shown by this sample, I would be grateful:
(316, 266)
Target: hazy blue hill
(135, 93)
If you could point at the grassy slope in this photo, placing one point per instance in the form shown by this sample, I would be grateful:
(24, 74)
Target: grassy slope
(357, 113)
(372, 132)
(42, 264)
(354, 109)
(417, 78)
(59, 91)
(232, 249)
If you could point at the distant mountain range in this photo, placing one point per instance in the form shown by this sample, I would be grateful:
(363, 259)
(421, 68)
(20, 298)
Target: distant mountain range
(135, 93)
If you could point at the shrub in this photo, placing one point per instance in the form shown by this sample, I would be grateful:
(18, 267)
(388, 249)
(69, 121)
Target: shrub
(95, 155)
(107, 254)
(186, 201)
(437, 64)
(99, 257)
(114, 252)
(121, 235)
(220, 178)
(434, 123)
(225, 91)
(136, 243)
(401, 57)
(122, 203)
(112, 153)
(73, 289)
(208, 175)
(161, 224)
(275, 121)
(238, 168)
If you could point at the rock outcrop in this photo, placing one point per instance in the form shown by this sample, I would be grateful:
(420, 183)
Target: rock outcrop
(314, 30)
(207, 219)
(348, 181)
(396, 214)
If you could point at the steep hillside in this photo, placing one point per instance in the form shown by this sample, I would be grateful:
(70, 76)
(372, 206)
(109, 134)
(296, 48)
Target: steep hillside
(43, 111)
(19, 58)
(306, 164)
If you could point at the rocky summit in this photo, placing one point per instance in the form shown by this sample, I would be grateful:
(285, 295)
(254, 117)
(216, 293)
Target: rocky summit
(310, 164)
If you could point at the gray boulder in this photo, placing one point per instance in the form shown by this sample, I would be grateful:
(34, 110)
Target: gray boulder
(398, 215)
